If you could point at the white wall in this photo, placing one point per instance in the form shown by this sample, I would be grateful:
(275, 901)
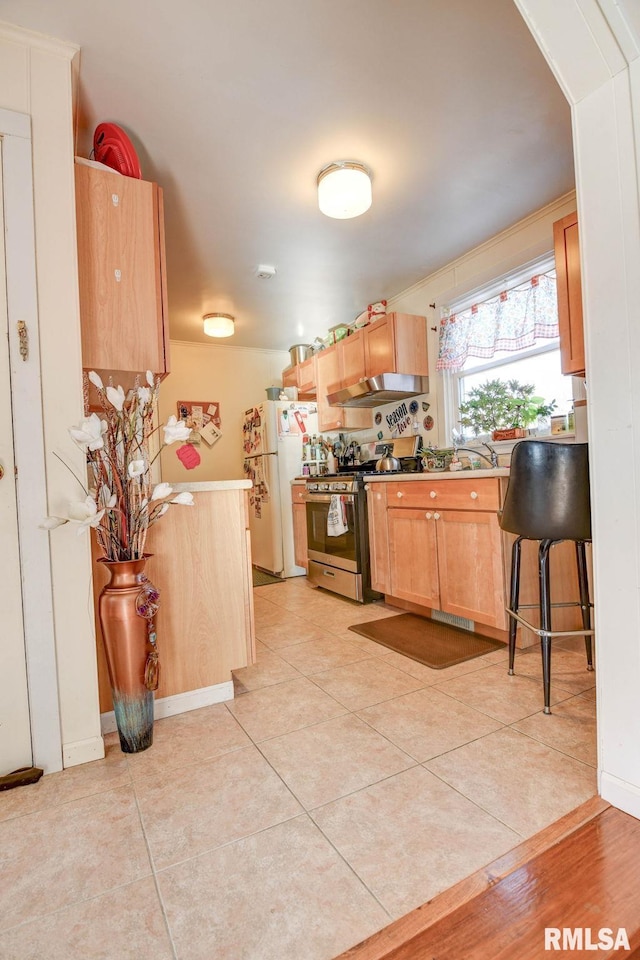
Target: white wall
(235, 377)
(594, 50)
(525, 241)
(36, 79)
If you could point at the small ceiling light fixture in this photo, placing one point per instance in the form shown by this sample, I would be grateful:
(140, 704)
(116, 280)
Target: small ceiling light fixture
(344, 189)
(265, 271)
(219, 324)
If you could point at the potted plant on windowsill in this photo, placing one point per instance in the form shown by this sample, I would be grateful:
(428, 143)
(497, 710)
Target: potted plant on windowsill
(504, 408)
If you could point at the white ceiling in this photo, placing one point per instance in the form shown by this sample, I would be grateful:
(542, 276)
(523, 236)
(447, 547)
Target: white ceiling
(234, 106)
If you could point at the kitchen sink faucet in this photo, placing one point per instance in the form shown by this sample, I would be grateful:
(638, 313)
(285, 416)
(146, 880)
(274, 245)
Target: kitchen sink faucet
(492, 459)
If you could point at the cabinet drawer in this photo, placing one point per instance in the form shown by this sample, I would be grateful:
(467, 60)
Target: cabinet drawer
(471, 494)
(298, 491)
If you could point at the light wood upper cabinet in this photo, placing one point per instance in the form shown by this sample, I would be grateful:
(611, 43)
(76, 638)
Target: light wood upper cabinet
(568, 272)
(290, 377)
(351, 351)
(122, 275)
(396, 344)
(328, 380)
(299, 508)
(306, 375)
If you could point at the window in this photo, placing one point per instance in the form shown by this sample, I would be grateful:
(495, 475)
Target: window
(507, 333)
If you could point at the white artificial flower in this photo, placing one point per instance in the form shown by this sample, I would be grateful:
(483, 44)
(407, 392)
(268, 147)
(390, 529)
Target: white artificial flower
(136, 468)
(150, 379)
(163, 509)
(85, 513)
(144, 395)
(186, 499)
(50, 523)
(161, 491)
(91, 521)
(175, 430)
(82, 509)
(95, 380)
(88, 435)
(107, 498)
(116, 397)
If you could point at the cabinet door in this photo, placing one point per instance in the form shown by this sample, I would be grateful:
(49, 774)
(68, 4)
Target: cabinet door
(470, 566)
(378, 537)
(328, 380)
(290, 377)
(120, 268)
(413, 559)
(300, 529)
(380, 355)
(567, 253)
(351, 353)
(307, 377)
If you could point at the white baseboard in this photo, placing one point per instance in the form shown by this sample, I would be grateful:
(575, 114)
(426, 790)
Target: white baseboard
(625, 796)
(178, 703)
(82, 751)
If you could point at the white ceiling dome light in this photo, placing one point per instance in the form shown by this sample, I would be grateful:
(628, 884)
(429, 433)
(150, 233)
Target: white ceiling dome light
(344, 189)
(219, 324)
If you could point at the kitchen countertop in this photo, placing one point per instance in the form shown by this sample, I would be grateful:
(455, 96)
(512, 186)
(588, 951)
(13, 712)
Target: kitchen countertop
(444, 475)
(206, 486)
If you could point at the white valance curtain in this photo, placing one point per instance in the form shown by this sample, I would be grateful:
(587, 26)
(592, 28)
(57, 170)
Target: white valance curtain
(512, 320)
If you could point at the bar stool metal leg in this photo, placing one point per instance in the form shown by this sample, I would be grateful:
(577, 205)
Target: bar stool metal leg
(545, 619)
(516, 552)
(583, 580)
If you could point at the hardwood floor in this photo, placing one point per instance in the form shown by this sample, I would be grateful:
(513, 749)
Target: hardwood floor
(581, 872)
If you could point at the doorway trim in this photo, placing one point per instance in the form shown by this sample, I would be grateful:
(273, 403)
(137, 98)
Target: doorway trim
(26, 403)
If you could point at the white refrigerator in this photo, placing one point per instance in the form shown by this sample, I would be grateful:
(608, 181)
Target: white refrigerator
(272, 435)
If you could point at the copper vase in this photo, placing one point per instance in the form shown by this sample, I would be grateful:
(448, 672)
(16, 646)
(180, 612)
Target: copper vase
(127, 608)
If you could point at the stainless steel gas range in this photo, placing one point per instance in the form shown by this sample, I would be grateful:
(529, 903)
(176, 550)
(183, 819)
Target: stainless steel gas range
(340, 563)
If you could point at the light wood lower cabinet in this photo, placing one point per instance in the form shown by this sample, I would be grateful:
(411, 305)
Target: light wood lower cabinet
(201, 563)
(413, 556)
(448, 560)
(299, 508)
(378, 536)
(470, 566)
(439, 545)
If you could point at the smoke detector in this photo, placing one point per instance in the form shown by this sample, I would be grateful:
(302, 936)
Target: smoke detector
(265, 271)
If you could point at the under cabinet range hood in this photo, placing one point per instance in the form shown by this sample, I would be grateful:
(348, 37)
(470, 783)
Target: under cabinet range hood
(385, 388)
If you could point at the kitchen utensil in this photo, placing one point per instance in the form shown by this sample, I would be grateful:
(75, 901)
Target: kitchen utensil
(273, 393)
(298, 353)
(113, 147)
(387, 463)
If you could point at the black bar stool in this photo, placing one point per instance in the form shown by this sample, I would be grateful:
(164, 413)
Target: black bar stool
(548, 500)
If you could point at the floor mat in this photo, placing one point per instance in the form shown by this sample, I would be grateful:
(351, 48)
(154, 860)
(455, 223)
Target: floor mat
(435, 644)
(260, 578)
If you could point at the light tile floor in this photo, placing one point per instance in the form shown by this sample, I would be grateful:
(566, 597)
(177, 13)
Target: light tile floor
(343, 786)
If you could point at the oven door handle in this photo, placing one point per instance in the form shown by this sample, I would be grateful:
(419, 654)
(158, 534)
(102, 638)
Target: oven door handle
(326, 497)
